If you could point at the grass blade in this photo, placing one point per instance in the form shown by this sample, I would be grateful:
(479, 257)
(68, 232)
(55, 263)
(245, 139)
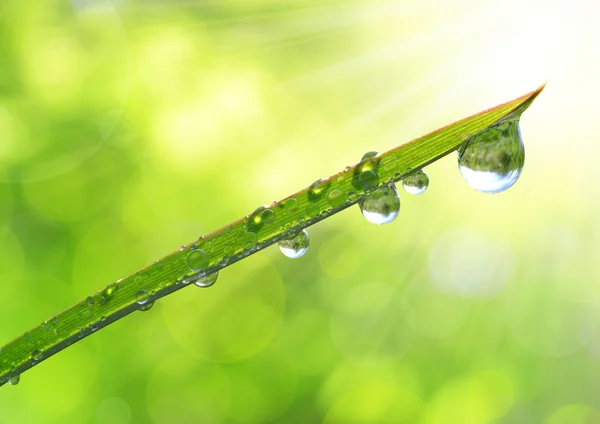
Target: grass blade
(240, 239)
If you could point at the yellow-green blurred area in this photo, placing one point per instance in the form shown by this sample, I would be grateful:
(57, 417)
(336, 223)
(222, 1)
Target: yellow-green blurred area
(130, 128)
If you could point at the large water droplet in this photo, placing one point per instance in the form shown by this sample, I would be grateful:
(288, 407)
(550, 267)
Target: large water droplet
(416, 183)
(197, 260)
(381, 206)
(37, 355)
(206, 280)
(492, 160)
(295, 246)
(317, 189)
(14, 380)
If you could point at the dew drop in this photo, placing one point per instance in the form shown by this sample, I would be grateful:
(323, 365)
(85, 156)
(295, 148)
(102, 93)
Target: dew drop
(492, 160)
(147, 306)
(291, 204)
(268, 216)
(14, 380)
(336, 198)
(206, 280)
(197, 260)
(381, 206)
(368, 179)
(312, 210)
(142, 297)
(296, 245)
(416, 183)
(111, 290)
(369, 155)
(37, 355)
(250, 240)
(317, 189)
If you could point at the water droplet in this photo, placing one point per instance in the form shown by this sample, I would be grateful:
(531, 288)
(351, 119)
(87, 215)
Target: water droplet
(100, 299)
(206, 280)
(250, 240)
(225, 260)
(111, 290)
(291, 204)
(146, 306)
(197, 260)
(416, 183)
(381, 206)
(255, 220)
(37, 355)
(336, 198)
(317, 189)
(142, 297)
(268, 216)
(90, 301)
(352, 196)
(369, 155)
(492, 160)
(14, 380)
(368, 179)
(137, 280)
(182, 248)
(296, 245)
(312, 209)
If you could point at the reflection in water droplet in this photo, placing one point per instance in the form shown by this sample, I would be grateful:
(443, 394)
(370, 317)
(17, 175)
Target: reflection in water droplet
(37, 355)
(492, 160)
(146, 306)
(206, 280)
(141, 297)
(13, 381)
(416, 183)
(381, 206)
(197, 260)
(295, 246)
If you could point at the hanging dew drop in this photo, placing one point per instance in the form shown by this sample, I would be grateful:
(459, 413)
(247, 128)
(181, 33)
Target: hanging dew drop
(492, 160)
(416, 183)
(14, 380)
(206, 280)
(147, 305)
(381, 206)
(295, 246)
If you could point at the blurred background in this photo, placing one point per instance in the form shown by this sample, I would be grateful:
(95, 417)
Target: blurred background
(131, 127)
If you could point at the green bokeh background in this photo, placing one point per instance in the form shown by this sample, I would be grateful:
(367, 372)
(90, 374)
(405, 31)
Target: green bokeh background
(130, 128)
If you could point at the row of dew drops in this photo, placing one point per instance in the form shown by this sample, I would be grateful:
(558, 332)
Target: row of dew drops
(490, 162)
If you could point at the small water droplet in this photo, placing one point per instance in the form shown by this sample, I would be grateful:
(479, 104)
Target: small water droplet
(268, 216)
(369, 155)
(255, 220)
(336, 198)
(206, 280)
(142, 297)
(492, 160)
(250, 240)
(90, 301)
(147, 306)
(291, 204)
(381, 206)
(37, 355)
(137, 280)
(182, 248)
(100, 299)
(225, 260)
(14, 380)
(416, 183)
(111, 290)
(197, 260)
(296, 245)
(352, 196)
(317, 189)
(312, 210)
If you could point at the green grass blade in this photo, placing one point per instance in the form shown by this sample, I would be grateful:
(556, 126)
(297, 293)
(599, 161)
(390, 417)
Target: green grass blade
(242, 238)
